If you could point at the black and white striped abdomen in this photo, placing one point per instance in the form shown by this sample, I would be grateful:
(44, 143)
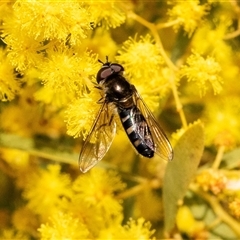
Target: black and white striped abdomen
(137, 130)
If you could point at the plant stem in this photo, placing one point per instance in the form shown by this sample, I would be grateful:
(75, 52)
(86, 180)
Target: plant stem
(219, 156)
(218, 209)
(167, 24)
(153, 28)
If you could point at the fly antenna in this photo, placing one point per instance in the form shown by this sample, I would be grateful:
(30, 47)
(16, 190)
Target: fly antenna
(107, 62)
(100, 61)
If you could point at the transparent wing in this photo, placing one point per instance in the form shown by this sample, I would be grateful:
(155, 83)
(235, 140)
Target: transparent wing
(162, 146)
(99, 139)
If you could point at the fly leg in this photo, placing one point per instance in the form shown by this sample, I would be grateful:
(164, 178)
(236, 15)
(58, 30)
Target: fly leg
(106, 124)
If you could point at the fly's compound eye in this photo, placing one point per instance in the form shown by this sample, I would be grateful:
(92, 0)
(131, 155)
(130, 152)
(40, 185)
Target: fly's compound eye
(117, 68)
(108, 70)
(103, 73)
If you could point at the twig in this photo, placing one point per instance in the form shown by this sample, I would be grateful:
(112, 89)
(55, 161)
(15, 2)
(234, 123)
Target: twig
(153, 28)
(218, 209)
(219, 157)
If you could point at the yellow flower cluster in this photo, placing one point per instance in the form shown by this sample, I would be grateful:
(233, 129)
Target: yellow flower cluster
(172, 52)
(84, 208)
(234, 207)
(9, 84)
(188, 14)
(212, 180)
(224, 129)
(147, 54)
(201, 71)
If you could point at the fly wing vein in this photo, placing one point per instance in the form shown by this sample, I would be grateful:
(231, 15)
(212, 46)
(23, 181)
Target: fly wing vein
(99, 139)
(162, 145)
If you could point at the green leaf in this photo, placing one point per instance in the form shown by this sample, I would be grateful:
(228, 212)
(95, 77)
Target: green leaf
(231, 159)
(15, 141)
(180, 172)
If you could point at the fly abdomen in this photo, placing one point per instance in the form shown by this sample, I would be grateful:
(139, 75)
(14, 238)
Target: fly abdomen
(137, 130)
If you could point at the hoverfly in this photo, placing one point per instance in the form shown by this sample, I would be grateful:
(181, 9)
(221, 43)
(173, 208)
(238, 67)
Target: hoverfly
(140, 125)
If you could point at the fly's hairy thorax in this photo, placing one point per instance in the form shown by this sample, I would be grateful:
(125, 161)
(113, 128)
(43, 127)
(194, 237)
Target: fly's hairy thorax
(118, 91)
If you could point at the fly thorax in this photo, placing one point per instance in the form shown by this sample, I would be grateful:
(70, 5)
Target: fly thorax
(118, 89)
